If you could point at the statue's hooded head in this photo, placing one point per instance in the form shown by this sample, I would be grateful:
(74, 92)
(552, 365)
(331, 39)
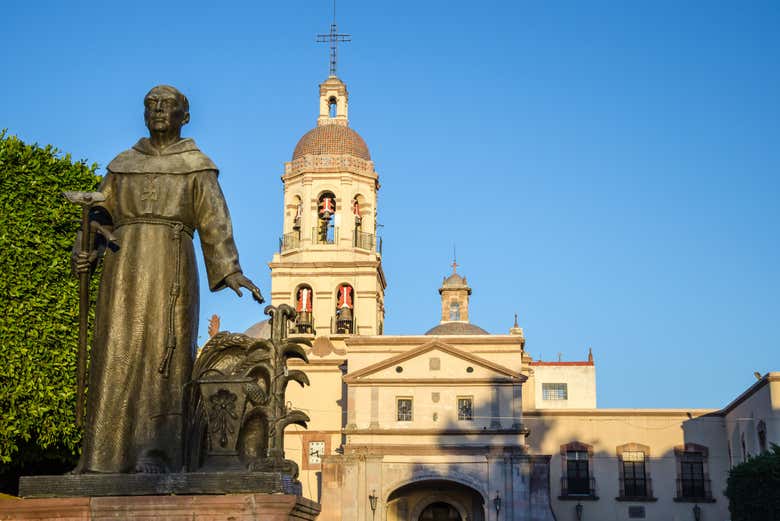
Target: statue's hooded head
(166, 110)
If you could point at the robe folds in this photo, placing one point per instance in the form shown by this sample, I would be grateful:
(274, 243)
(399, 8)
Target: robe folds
(147, 304)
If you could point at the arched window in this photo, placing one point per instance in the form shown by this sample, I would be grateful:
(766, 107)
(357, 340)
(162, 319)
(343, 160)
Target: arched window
(357, 206)
(364, 237)
(577, 473)
(332, 107)
(293, 218)
(297, 213)
(304, 300)
(633, 471)
(454, 310)
(345, 309)
(693, 475)
(324, 233)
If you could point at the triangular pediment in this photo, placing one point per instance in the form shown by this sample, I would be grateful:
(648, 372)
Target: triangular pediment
(434, 361)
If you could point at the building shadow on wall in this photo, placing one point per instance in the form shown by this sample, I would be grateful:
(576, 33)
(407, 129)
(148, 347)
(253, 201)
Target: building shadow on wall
(478, 467)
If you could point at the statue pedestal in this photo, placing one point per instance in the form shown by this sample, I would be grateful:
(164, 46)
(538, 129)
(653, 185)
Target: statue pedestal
(185, 483)
(228, 507)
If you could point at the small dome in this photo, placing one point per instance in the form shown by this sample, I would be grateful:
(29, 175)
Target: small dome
(457, 328)
(260, 330)
(455, 281)
(332, 139)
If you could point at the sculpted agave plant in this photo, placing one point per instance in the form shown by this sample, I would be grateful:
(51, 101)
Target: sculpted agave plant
(237, 412)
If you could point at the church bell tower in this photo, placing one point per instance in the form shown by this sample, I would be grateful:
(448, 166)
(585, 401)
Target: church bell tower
(329, 263)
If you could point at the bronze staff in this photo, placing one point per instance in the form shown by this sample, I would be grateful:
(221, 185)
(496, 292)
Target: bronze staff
(86, 200)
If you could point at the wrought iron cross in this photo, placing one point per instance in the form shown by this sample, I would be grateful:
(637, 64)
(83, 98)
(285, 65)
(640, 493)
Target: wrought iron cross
(333, 37)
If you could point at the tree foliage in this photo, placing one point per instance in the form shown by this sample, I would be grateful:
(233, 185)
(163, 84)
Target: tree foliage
(38, 301)
(753, 488)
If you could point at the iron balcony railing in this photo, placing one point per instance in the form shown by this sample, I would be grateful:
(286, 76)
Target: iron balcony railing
(693, 489)
(571, 486)
(636, 487)
(289, 241)
(330, 235)
(365, 241)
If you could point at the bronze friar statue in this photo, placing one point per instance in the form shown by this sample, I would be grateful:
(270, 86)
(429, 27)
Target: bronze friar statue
(157, 195)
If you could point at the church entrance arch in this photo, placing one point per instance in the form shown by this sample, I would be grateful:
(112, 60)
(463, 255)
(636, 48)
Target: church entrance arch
(440, 511)
(435, 500)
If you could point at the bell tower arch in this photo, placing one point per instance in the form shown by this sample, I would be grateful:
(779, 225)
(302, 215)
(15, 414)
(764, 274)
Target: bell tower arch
(329, 242)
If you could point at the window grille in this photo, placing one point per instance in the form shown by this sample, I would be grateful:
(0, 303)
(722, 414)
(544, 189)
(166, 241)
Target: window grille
(465, 408)
(555, 391)
(404, 409)
(692, 475)
(577, 472)
(634, 476)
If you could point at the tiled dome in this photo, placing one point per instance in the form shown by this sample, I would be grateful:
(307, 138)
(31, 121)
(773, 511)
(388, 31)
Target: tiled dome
(457, 328)
(332, 139)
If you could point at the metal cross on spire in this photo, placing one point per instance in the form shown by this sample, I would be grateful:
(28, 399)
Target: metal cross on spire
(333, 37)
(454, 260)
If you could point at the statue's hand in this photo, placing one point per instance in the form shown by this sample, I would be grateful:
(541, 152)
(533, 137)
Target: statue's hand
(237, 280)
(82, 261)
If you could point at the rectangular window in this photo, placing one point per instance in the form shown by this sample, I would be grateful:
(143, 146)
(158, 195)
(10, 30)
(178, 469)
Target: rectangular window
(555, 392)
(692, 475)
(634, 477)
(404, 409)
(577, 475)
(465, 408)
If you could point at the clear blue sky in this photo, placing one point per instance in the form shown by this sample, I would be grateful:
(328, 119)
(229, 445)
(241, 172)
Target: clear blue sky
(608, 170)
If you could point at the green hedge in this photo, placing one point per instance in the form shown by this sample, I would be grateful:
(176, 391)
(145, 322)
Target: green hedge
(753, 488)
(38, 305)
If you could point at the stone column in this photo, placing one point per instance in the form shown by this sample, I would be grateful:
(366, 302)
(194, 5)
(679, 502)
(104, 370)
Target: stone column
(521, 485)
(495, 409)
(507, 498)
(495, 484)
(374, 408)
(332, 486)
(517, 406)
(351, 421)
(540, 489)
(349, 508)
(374, 486)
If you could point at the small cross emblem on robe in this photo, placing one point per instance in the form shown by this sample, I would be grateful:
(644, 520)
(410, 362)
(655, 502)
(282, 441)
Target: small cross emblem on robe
(149, 193)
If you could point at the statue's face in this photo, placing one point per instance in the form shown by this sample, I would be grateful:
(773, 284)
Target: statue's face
(164, 111)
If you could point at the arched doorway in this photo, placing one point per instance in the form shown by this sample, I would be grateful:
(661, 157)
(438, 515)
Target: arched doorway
(435, 500)
(439, 511)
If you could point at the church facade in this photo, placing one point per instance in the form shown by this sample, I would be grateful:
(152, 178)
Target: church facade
(460, 424)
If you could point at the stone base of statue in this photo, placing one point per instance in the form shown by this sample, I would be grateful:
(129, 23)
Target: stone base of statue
(189, 483)
(229, 507)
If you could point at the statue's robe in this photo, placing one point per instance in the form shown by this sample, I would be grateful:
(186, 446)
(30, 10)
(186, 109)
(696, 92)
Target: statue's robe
(147, 305)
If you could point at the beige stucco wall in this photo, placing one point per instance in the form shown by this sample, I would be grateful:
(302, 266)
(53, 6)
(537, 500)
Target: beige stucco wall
(580, 381)
(759, 403)
(605, 430)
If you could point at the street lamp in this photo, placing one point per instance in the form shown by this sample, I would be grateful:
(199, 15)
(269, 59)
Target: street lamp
(578, 510)
(497, 503)
(697, 512)
(372, 501)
